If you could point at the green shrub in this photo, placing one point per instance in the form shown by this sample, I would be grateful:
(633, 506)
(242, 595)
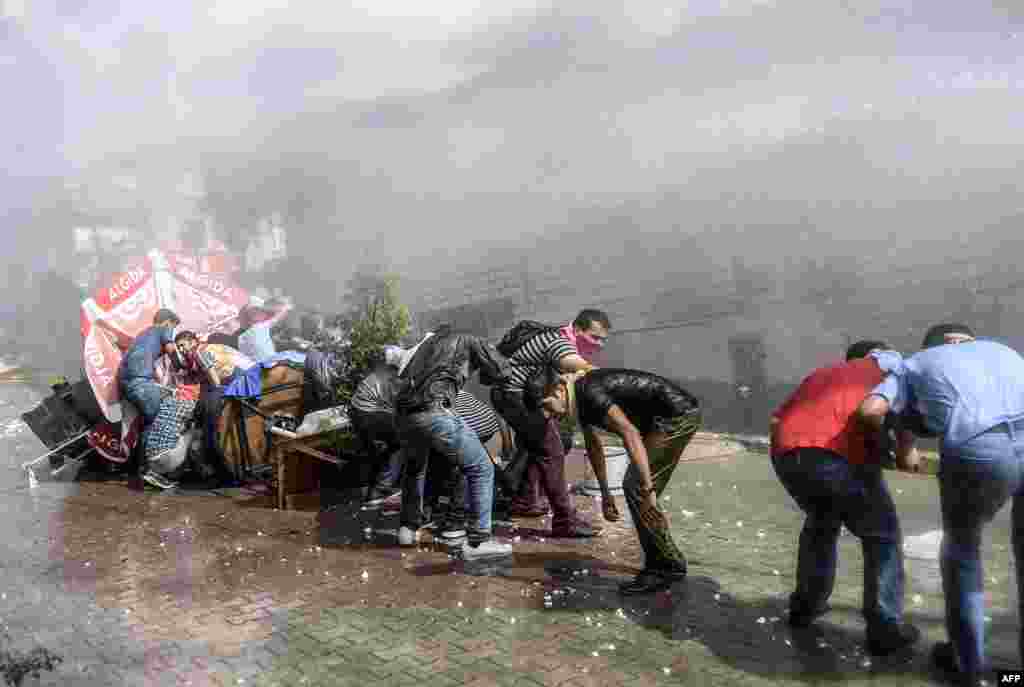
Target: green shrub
(381, 319)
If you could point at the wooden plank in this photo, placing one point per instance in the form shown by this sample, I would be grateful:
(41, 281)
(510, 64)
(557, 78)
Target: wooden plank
(306, 500)
(277, 456)
(310, 451)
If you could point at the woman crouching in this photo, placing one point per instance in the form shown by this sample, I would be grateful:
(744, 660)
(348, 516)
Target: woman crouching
(656, 419)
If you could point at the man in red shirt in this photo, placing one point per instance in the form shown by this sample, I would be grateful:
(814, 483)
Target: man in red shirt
(830, 464)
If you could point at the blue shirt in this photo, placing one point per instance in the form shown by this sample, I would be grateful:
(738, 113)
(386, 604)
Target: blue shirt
(961, 390)
(140, 360)
(255, 342)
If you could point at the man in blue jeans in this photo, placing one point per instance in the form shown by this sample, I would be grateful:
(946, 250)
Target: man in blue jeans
(426, 421)
(831, 466)
(137, 373)
(970, 394)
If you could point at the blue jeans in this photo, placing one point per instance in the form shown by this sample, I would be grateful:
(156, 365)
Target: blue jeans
(833, 492)
(447, 434)
(975, 482)
(146, 395)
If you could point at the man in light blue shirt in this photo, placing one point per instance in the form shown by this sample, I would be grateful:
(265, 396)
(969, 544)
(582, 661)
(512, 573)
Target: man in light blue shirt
(969, 394)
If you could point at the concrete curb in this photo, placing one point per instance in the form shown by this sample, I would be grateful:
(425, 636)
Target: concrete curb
(761, 444)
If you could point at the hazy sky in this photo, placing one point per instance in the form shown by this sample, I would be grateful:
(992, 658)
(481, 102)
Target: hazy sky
(739, 100)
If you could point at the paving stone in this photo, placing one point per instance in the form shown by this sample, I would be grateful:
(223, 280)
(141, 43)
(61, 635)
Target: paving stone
(195, 619)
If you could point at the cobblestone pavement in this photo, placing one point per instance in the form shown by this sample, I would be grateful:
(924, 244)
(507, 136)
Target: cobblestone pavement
(138, 588)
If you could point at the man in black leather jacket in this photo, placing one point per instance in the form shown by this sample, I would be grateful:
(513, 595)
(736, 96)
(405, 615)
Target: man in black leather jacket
(426, 421)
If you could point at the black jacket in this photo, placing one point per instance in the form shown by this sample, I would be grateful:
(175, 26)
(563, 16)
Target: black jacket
(441, 367)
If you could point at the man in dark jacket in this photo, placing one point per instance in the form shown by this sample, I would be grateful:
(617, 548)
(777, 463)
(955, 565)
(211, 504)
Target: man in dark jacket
(426, 421)
(372, 412)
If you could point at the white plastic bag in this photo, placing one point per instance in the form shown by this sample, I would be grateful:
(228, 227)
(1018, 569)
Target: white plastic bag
(323, 421)
(923, 547)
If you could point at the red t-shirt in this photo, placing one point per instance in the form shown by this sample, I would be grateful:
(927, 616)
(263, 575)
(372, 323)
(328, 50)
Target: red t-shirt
(820, 413)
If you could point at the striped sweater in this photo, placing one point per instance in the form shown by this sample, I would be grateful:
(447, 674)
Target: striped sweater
(543, 350)
(480, 417)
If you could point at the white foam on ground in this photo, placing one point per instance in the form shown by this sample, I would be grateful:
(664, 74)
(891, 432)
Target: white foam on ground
(923, 547)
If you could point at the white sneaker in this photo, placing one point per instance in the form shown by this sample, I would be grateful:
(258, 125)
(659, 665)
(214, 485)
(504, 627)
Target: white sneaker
(407, 536)
(453, 534)
(488, 549)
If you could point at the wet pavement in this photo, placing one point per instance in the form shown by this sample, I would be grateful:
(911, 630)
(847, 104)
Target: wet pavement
(143, 588)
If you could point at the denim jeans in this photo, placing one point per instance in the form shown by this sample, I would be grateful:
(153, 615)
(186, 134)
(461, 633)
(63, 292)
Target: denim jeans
(445, 490)
(146, 395)
(975, 481)
(833, 492)
(446, 484)
(444, 432)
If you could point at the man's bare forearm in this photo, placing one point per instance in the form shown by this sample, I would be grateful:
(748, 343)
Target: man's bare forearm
(872, 412)
(907, 456)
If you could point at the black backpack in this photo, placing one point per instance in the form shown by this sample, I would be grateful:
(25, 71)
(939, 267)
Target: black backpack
(521, 334)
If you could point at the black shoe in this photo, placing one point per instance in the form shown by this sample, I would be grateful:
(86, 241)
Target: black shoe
(892, 639)
(577, 529)
(647, 582)
(223, 480)
(675, 574)
(944, 660)
(379, 495)
(801, 618)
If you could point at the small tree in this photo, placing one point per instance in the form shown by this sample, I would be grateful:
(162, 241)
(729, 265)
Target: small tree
(380, 319)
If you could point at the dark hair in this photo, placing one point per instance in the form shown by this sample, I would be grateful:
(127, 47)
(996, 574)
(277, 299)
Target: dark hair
(589, 316)
(862, 348)
(163, 315)
(185, 335)
(222, 339)
(375, 359)
(936, 336)
(536, 387)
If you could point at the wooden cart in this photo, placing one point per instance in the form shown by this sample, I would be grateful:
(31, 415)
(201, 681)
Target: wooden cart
(298, 462)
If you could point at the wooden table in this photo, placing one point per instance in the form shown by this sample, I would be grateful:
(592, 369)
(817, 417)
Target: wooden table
(297, 461)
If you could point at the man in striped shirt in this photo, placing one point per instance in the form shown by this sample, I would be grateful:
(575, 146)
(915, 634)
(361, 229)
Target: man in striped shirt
(539, 435)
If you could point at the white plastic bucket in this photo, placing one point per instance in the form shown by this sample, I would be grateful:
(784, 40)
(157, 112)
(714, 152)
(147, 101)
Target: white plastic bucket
(617, 461)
